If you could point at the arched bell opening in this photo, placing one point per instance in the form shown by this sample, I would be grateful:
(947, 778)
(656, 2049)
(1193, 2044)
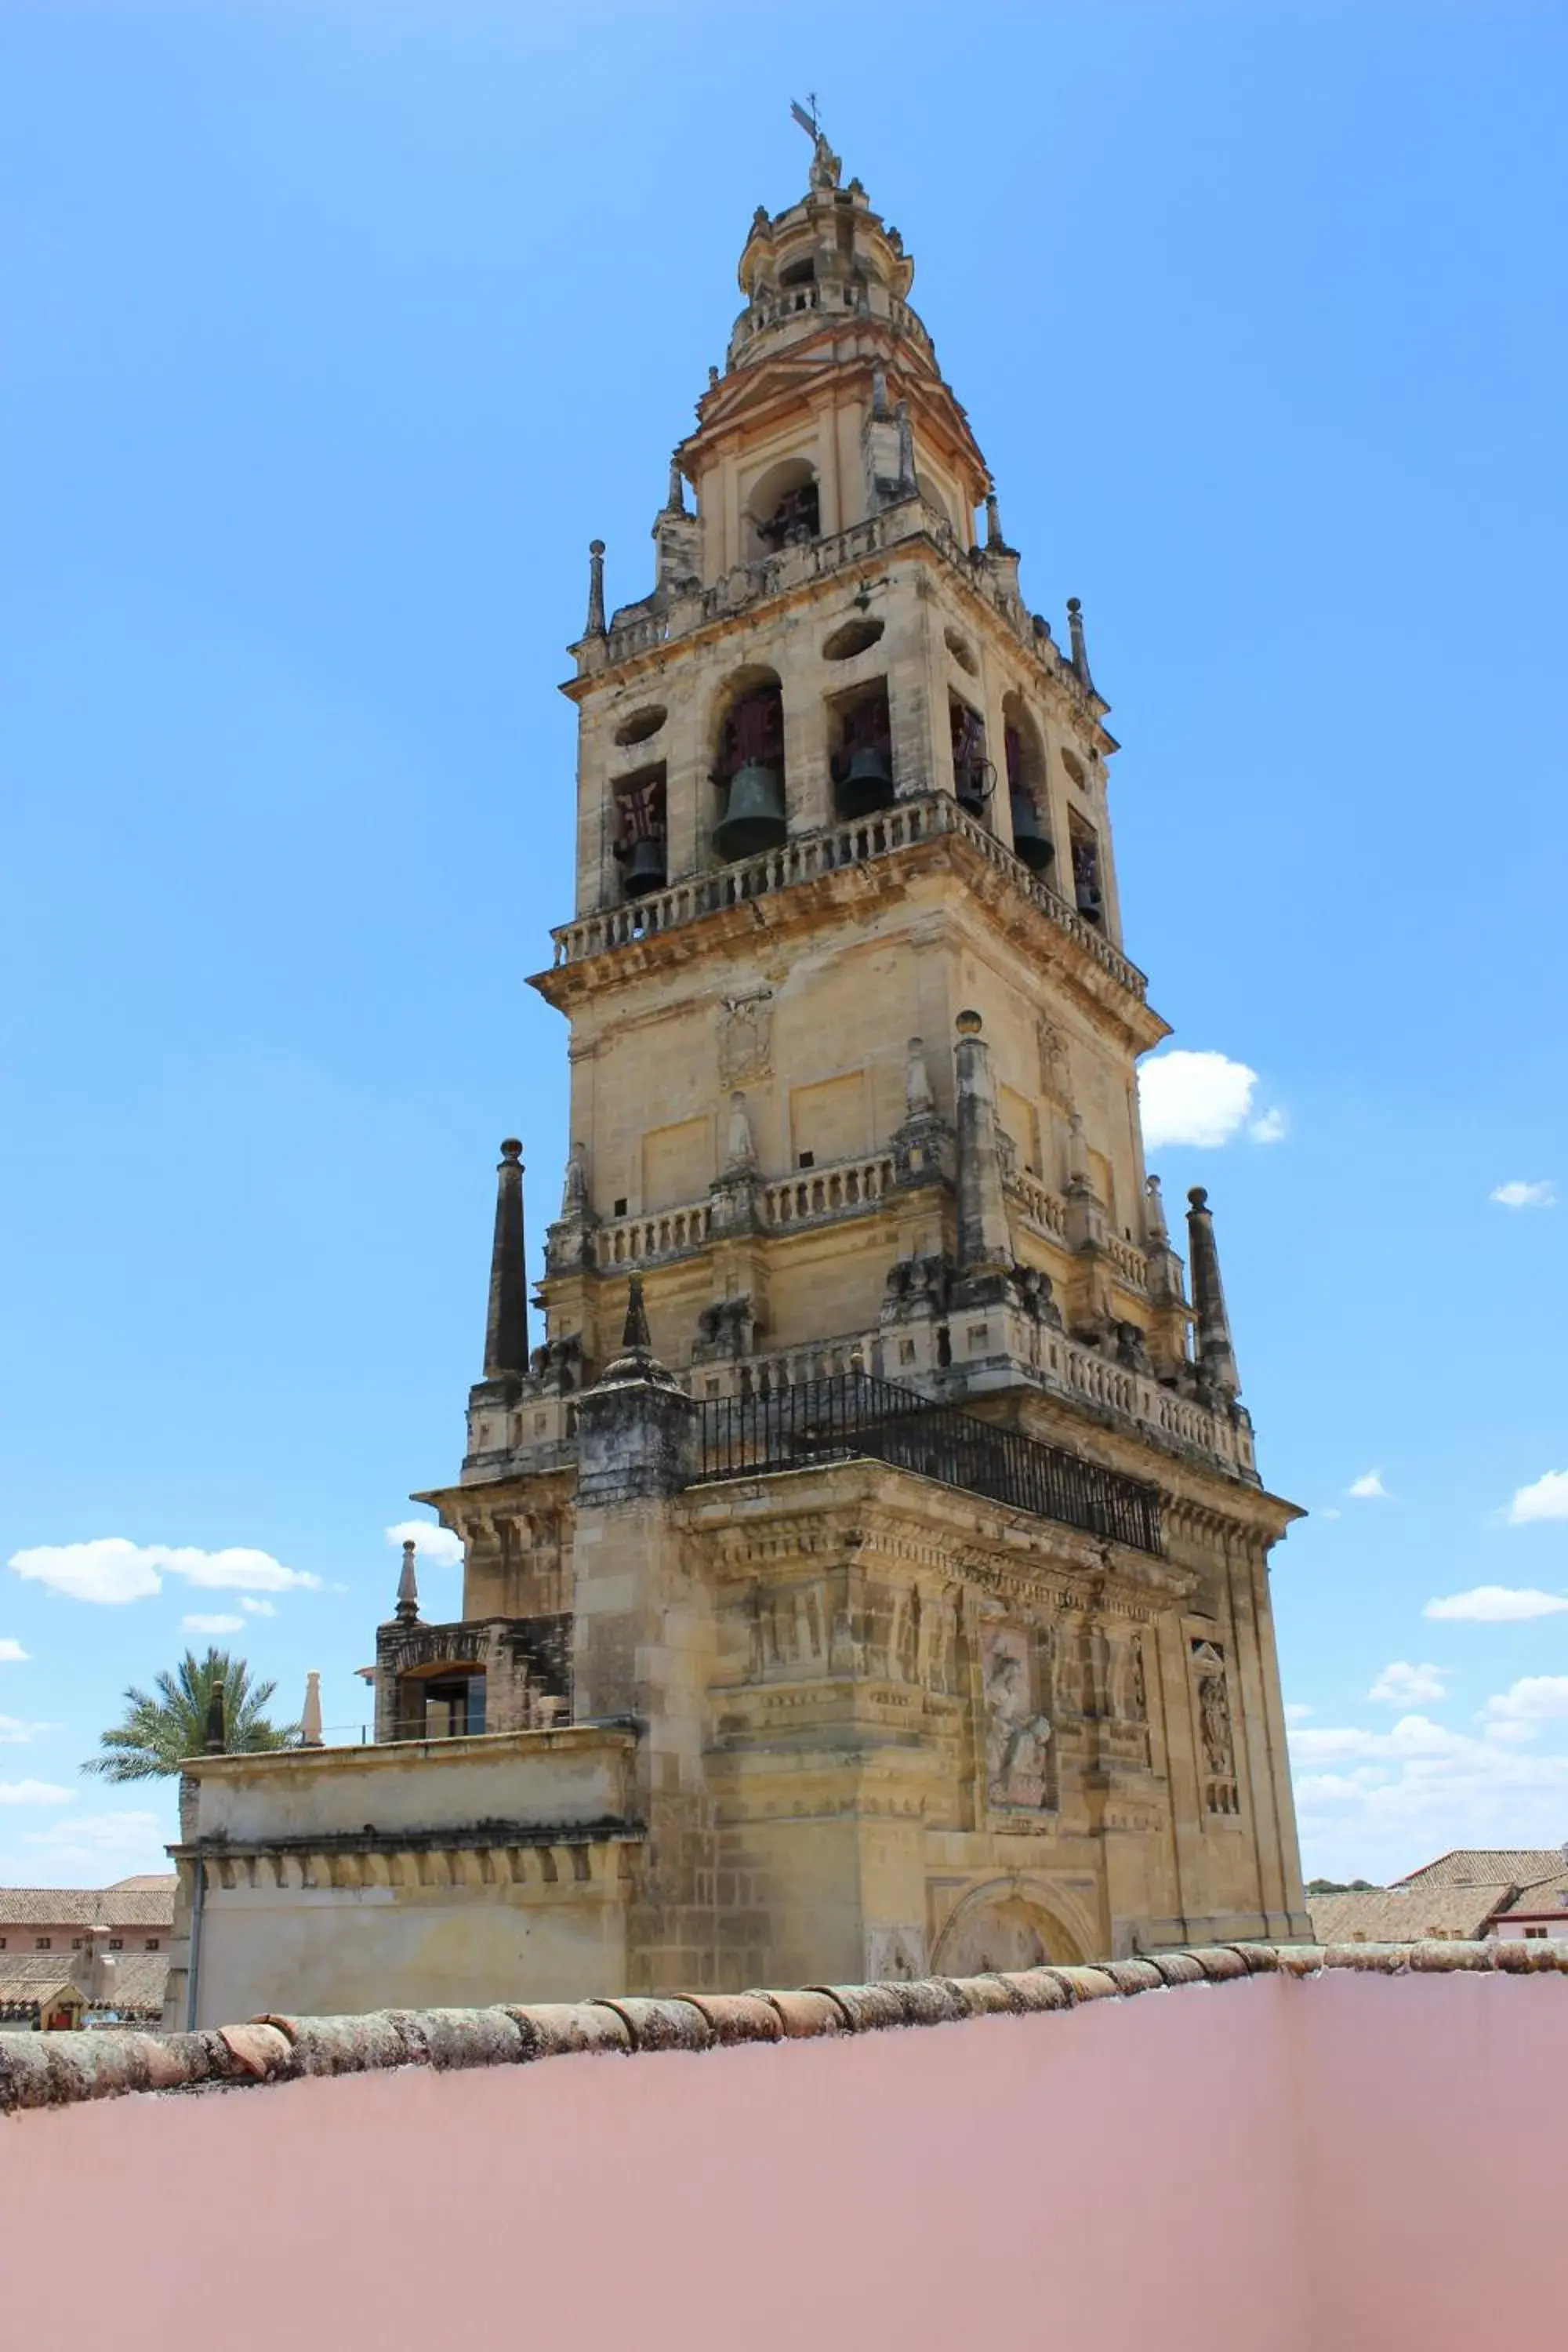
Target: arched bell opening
(861, 754)
(1088, 883)
(973, 776)
(783, 508)
(1027, 803)
(639, 839)
(749, 768)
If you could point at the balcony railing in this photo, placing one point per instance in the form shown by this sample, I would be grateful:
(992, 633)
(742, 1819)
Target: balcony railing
(810, 855)
(851, 1416)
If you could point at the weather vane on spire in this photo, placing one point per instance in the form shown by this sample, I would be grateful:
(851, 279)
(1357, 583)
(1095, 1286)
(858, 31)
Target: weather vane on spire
(825, 166)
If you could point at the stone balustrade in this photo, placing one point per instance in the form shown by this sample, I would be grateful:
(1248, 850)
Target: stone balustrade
(1044, 1210)
(644, 629)
(634, 1241)
(808, 855)
(831, 1192)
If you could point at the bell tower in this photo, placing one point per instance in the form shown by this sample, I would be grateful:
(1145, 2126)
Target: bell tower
(909, 1510)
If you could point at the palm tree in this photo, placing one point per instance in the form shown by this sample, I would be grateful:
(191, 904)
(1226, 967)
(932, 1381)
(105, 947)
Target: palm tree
(160, 1731)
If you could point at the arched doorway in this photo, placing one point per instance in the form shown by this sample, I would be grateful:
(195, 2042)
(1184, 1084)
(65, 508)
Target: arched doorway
(1002, 1928)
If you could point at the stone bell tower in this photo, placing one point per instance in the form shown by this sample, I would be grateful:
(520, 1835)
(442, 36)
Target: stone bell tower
(873, 1465)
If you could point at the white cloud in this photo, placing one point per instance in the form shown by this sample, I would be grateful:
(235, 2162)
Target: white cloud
(111, 1569)
(258, 1608)
(14, 1733)
(1403, 1684)
(1376, 1803)
(1518, 1194)
(200, 1625)
(1496, 1604)
(438, 1546)
(1198, 1098)
(89, 1849)
(1333, 1513)
(1547, 1500)
(34, 1792)
(11, 1654)
(1295, 1713)
(1369, 1488)
(1272, 1128)
(1534, 1699)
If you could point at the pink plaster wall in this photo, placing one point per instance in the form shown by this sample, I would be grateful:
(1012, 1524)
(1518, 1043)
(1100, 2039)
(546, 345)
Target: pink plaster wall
(1269, 2164)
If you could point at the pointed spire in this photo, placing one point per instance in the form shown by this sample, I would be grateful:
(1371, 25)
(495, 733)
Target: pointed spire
(908, 484)
(635, 1338)
(506, 1328)
(310, 1712)
(1080, 650)
(595, 627)
(993, 520)
(984, 1235)
(1216, 1354)
(407, 1610)
(675, 502)
(214, 1739)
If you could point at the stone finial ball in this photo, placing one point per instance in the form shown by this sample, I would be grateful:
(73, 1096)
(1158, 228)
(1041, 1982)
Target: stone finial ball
(1198, 1196)
(1074, 605)
(512, 1149)
(595, 547)
(970, 1024)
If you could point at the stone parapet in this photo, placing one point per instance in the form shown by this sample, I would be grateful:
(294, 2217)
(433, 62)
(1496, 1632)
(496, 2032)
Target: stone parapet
(63, 2069)
(810, 857)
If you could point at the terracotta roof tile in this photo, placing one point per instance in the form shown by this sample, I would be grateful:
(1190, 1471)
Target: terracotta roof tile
(1469, 1865)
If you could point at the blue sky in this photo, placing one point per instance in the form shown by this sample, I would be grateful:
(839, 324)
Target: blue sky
(332, 333)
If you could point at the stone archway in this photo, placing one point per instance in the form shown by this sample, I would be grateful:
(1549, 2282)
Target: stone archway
(1000, 1928)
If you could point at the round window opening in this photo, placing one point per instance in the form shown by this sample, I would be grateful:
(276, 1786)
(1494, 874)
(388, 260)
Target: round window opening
(854, 637)
(642, 724)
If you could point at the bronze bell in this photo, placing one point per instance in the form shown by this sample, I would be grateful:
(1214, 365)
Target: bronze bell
(647, 868)
(754, 815)
(868, 786)
(1031, 842)
(1090, 904)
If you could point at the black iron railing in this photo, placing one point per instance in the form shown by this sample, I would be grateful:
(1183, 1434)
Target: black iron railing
(848, 1416)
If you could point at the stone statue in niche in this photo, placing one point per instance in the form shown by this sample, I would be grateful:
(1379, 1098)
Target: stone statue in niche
(1018, 1731)
(1213, 1711)
(574, 1188)
(740, 1150)
(1055, 1070)
(920, 1102)
(1137, 1691)
(745, 1038)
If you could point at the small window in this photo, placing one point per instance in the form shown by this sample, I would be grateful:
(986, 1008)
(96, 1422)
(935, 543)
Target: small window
(117, 1943)
(2, 1943)
(76, 1943)
(43, 1943)
(620, 1207)
(806, 1159)
(1535, 1931)
(151, 1945)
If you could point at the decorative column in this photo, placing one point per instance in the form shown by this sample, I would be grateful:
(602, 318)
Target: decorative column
(1216, 1354)
(984, 1238)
